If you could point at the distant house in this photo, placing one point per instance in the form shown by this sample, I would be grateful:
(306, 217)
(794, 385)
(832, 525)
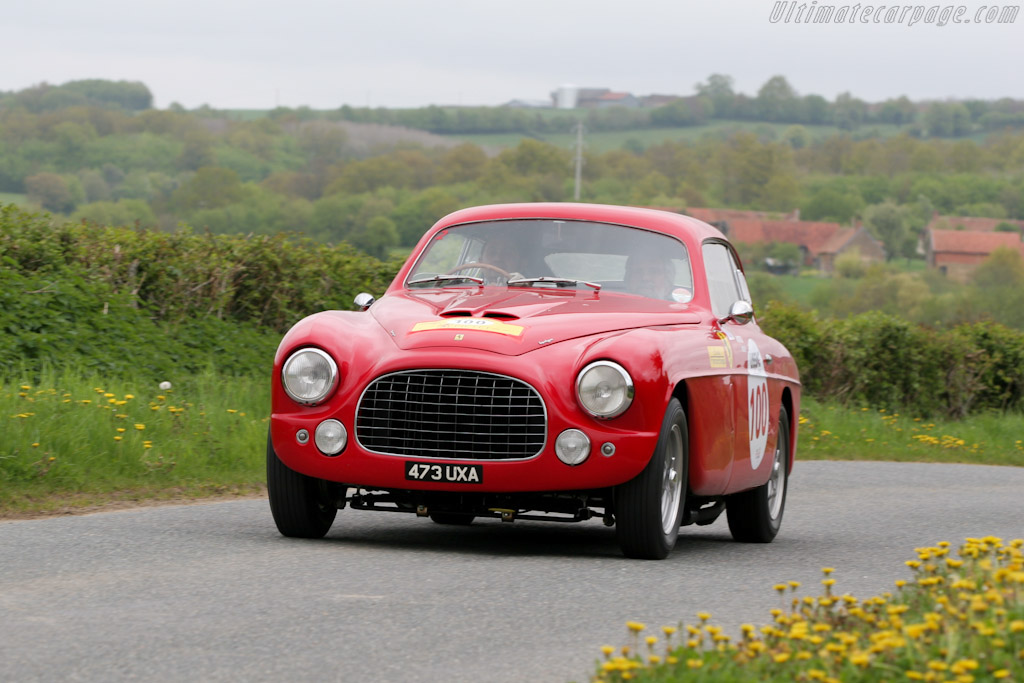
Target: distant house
(850, 240)
(971, 223)
(956, 253)
(820, 242)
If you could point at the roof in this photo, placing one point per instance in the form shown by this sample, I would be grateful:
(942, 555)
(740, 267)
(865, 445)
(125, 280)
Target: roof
(971, 223)
(809, 234)
(967, 242)
(835, 243)
(662, 221)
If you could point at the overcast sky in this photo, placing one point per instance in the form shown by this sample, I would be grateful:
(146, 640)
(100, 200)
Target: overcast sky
(407, 53)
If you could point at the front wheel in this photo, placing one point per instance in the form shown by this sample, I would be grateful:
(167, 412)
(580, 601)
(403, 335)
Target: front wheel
(303, 507)
(648, 508)
(756, 515)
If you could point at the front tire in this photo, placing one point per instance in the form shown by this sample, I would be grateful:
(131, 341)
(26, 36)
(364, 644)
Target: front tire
(649, 507)
(755, 516)
(302, 506)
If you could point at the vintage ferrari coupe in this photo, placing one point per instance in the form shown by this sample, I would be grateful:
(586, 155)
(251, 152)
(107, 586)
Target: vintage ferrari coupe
(542, 362)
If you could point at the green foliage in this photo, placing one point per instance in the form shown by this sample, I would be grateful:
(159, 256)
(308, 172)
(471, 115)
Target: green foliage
(128, 300)
(877, 360)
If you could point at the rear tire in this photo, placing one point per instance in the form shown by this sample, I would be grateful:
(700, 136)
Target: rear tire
(649, 507)
(755, 516)
(302, 506)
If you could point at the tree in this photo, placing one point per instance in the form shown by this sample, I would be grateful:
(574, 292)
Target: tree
(1004, 268)
(848, 112)
(209, 188)
(777, 100)
(886, 222)
(718, 89)
(376, 237)
(50, 191)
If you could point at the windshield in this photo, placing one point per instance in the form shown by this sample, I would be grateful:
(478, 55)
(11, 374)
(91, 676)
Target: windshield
(518, 253)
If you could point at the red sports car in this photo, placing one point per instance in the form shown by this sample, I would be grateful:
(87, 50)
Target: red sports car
(543, 362)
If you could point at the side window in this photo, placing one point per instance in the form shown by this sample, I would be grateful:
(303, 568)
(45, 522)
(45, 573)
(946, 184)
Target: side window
(723, 278)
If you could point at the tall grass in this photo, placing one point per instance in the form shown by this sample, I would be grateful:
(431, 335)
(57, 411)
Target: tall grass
(831, 432)
(71, 437)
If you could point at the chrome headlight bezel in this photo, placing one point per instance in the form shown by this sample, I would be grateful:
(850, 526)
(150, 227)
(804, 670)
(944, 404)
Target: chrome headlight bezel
(324, 386)
(615, 379)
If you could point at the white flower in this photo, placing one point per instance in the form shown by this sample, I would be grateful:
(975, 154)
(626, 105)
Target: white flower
(164, 386)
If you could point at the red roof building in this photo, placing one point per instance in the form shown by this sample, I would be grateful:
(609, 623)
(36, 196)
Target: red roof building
(958, 252)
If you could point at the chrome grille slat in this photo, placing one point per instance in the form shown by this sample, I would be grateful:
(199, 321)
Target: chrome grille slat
(460, 414)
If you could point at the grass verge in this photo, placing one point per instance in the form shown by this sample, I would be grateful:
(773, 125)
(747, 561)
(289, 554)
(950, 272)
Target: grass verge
(830, 432)
(76, 440)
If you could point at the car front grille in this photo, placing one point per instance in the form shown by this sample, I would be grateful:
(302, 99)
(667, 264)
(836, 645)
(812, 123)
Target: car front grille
(451, 414)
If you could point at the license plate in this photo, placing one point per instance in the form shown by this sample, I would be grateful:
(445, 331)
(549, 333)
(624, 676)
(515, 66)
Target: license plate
(455, 474)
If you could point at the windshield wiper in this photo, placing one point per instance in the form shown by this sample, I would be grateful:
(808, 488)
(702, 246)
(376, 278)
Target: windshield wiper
(444, 278)
(557, 281)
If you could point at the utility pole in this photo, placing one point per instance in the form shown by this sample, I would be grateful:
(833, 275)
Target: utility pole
(579, 160)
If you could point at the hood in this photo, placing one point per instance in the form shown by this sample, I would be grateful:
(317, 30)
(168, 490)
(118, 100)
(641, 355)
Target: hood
(513, 321)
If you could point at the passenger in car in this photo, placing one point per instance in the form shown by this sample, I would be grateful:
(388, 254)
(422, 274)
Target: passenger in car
(649, 274)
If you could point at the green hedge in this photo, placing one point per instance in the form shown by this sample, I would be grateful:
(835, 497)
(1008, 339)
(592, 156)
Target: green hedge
(880, 361)
(124, 299)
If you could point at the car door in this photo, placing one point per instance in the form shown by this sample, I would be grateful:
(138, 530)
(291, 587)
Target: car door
(749, 385)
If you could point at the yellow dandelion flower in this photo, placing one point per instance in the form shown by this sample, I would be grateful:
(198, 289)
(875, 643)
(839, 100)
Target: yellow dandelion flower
(129, 397)
(669, 630)
(703, 616)
(35, 445)
(140, 426)
(781, 658)
(635, 626)
(607, 650)
(118, 438)
(694, 663)
(1001, 673)
(232, 410)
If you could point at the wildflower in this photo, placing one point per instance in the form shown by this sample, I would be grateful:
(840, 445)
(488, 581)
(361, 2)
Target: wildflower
(165, 386)
(781, 658)
(232, 410)
(1001, 673)
(140, 426)
(118, 438)
(607, 650)
(651, 640)
(698, 663)
(635, 626)
(669, 630)
(128, 397)
(703, 616)
(35, 445)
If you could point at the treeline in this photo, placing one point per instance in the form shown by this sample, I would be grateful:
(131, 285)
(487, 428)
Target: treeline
(777, 101)
(285, 172)
(133, 301)
(125, 95)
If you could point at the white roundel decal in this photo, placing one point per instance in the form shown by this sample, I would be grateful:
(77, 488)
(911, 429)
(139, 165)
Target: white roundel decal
(757, 404)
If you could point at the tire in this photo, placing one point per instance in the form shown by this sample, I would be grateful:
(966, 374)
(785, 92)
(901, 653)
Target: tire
(452, 518)
(756, 515)
(302, 506)
(649, 507)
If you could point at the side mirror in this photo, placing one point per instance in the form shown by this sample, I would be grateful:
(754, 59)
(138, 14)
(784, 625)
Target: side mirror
(364, 300)
(741, 312)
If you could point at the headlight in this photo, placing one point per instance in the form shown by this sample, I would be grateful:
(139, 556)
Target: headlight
(604, 389)
(309, 376)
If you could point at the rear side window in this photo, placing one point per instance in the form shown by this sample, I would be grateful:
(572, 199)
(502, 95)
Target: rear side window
(726, 284)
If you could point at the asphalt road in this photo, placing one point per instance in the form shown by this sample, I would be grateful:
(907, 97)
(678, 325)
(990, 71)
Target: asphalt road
(211, 592)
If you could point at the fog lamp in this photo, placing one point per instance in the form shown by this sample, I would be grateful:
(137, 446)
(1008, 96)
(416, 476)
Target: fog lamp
(572, 447)
(331, 437)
